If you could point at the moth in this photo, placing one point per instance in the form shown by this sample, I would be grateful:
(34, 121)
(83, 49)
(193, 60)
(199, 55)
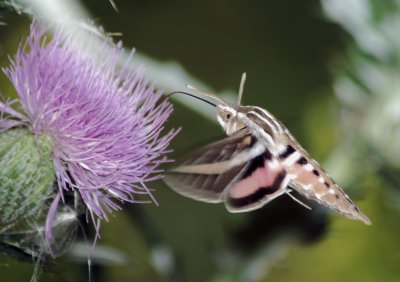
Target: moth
(258, 161)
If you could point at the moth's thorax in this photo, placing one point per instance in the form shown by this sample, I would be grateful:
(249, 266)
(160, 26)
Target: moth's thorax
(234, 118)
(229, 119)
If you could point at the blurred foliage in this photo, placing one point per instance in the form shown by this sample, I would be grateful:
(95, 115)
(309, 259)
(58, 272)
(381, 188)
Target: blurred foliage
(333, 82)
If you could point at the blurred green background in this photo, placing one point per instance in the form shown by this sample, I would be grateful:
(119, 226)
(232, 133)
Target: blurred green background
(329, 70)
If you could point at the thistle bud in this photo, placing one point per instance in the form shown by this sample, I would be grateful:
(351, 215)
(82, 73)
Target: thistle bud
(26, 176)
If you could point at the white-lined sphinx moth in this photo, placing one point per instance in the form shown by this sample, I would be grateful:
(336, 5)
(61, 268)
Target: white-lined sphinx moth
(258, 161)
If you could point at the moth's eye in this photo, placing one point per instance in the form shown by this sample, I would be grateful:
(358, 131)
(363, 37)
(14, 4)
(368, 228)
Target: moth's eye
(228, 116)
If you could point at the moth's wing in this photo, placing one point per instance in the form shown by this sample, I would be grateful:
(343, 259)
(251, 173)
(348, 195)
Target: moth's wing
(204, 174)
(260, 181)
(238, 170)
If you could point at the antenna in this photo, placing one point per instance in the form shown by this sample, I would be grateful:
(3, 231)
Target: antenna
(213, 96)
(242, 81)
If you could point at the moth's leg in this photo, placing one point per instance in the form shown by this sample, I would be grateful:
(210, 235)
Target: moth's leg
(288, 192)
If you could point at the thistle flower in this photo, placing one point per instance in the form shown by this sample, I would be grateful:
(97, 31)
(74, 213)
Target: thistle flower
(99, 125)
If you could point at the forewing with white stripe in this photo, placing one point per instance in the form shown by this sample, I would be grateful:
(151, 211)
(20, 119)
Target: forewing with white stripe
(206, 172)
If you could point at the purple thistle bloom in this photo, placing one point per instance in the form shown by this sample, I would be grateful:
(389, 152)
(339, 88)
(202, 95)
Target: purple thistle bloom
(103, 123)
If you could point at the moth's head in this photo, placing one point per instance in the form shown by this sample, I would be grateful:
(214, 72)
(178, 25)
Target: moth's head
(228, 118)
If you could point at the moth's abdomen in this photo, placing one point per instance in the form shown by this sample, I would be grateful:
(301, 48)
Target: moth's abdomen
(310, 180)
